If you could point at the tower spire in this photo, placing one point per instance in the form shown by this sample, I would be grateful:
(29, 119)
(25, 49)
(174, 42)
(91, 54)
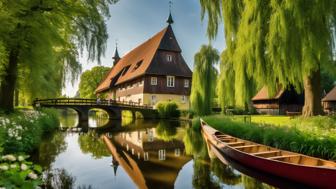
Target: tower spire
(170, 18)
(116, 56)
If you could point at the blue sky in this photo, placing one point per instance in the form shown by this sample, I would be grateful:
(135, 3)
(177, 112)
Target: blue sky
(134, 21)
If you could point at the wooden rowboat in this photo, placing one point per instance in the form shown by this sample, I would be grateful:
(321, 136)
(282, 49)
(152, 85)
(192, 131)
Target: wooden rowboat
(296, 167)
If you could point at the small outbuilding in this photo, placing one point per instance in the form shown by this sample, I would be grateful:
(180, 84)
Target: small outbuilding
(284, 102)
(329, 102)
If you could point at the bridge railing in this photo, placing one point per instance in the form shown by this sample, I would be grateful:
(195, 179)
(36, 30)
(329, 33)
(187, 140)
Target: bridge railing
(92, 102)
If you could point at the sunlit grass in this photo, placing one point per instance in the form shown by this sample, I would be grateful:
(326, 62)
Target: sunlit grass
(274, 120)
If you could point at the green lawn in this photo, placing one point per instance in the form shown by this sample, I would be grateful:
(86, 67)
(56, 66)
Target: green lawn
(274, 120)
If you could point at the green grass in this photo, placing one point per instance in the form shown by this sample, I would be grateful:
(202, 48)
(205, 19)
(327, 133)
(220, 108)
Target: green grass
(314, 136)
(274, 120)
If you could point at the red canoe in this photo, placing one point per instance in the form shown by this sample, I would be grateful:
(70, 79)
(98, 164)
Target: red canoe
(296, 167)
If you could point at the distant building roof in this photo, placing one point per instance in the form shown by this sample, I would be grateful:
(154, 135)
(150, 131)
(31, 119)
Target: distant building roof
(141, 61)
(331, 96)
(263, 94)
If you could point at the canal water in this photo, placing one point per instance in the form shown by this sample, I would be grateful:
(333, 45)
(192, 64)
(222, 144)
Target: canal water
(140, 154)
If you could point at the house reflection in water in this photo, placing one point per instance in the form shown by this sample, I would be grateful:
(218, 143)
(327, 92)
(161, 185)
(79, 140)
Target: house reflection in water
(149, 161)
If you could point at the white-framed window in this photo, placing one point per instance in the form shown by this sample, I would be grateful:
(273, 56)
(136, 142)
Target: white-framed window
(170, 81)
(153, 80)
(183, 98)
(169, 58)
(186, 83)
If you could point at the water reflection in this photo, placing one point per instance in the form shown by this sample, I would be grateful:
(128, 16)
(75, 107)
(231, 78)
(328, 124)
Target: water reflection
(91, 143)
(139, 154)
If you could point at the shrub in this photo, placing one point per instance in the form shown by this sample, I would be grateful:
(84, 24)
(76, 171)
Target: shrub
(168, 110)
(24, 130)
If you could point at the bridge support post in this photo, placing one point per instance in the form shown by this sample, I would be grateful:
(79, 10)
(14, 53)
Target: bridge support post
(114, 113)
(83, 114)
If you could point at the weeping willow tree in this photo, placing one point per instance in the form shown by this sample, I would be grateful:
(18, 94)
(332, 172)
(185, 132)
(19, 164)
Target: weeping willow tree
(275, 43)
(204, 80)
(40, 41)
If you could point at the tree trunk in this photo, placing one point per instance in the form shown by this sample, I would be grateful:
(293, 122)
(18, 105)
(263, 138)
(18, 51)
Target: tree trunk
(312, 89)
(7, 86)
(16, 97)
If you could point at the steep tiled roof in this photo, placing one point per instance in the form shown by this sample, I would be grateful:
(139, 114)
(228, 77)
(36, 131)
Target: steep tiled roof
(331, 96)
(144, 53)
(142, 60)
(263, 94)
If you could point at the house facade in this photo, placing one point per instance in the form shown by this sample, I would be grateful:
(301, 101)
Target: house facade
(152, 72)
(284, 102)
(329, 102)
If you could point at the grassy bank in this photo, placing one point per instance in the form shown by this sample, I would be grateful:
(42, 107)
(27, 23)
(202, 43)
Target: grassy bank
(314, 136)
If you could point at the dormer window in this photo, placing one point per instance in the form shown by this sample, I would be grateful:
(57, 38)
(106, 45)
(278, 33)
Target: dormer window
(169, 58)
(137, 65)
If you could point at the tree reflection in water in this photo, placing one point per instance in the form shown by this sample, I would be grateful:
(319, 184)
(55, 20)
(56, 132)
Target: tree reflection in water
(50, 148)
(224, 173)
(251, 183)
(91, 143)
(167, 130)
(208, 173)
(60, 179)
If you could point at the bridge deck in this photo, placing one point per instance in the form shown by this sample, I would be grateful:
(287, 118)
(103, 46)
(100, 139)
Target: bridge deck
(87, 102)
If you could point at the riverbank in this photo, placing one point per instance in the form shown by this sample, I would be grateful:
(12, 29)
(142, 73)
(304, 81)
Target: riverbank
(20, 134)
(314, 136)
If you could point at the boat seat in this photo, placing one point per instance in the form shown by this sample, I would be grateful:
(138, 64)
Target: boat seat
(246, 146)
(235, 143)
(227, 138)
(282, 157)
(223, 135)
(265, 152)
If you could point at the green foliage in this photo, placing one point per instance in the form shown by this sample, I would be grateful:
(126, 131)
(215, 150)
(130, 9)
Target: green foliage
(328, 81)
(271, 43)
(16, 172)
(168, 110)
(187, 114)
(2, 139)
(167, 131)
(90, 80)
(92, 144)
(52, 145)
(45, 39)
(24, 131)
(204, 80)
(314, 136)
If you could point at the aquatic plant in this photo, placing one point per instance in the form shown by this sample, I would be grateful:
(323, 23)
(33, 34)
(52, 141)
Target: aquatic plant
(17, 172)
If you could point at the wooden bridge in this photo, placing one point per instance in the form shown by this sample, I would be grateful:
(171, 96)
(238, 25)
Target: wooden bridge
(83, 106)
